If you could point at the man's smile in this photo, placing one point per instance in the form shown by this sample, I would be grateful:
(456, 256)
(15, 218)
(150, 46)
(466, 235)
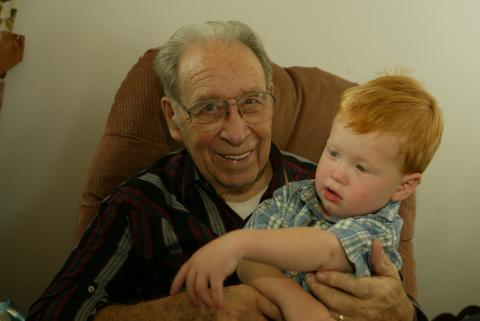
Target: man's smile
(236, 157)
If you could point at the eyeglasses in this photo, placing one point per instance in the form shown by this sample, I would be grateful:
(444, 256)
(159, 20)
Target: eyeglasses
(254, 108)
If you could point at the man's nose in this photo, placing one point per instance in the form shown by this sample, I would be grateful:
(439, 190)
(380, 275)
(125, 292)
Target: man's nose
(234, 129)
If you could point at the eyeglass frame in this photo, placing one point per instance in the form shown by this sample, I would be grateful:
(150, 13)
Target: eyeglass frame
(225, 102)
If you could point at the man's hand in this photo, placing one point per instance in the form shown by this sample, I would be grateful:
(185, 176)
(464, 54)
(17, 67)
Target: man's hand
(379, 297)
(242, 302)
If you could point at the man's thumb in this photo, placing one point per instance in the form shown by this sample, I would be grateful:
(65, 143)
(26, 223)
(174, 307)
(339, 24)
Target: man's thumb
(380, 262)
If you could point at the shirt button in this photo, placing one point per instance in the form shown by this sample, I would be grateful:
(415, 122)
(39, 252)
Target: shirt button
(91, 289)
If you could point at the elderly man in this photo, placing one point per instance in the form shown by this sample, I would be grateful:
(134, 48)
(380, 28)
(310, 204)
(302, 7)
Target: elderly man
(219, 103)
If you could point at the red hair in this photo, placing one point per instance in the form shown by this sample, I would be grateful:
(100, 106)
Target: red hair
(398, 106)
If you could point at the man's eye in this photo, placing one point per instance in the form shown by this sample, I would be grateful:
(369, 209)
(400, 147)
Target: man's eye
(207, 110)
(251, 101)
(209, 107)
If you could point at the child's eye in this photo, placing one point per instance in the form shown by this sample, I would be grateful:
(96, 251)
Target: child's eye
(361, 168)
(332, 153)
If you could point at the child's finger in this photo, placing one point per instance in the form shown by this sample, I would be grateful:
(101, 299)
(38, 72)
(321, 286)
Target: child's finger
(216, 285)
(201, 288)
(179, 279)
(192, 295)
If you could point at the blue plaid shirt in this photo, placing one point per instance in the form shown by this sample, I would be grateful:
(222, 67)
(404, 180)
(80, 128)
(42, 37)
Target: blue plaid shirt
(296, 204)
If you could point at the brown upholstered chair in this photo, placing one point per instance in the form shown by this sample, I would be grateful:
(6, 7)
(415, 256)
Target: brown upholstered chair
(136, 135)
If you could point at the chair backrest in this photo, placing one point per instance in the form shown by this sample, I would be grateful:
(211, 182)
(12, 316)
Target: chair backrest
(136, 135)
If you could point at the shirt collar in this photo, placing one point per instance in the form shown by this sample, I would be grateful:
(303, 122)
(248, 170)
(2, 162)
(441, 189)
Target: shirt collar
(191, 175)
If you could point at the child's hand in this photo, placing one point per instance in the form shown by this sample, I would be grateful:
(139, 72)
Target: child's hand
(206, 270)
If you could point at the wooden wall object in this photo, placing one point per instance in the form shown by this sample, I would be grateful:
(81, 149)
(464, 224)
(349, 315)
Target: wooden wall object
(11, 53)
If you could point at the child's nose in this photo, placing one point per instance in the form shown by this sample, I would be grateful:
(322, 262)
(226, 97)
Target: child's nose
(339, 174)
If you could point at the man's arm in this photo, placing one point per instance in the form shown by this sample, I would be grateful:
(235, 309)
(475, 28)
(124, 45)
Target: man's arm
(376, 298)
(242, 302)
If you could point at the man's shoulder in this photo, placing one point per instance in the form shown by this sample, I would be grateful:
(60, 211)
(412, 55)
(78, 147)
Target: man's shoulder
(297, 167)
(161, 175)
(168, 164)
(295, 158)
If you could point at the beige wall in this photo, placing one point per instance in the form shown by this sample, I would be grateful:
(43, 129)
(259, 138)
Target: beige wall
(77, 53)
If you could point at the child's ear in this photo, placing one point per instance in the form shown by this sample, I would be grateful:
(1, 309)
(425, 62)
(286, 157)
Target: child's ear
(407, 186)
(170, 117)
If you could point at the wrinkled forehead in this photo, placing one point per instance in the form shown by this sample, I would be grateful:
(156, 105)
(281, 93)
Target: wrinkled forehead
(219, 69)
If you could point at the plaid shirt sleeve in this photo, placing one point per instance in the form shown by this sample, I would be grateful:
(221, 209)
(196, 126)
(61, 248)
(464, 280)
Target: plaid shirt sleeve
(281, 210)
(357, 233)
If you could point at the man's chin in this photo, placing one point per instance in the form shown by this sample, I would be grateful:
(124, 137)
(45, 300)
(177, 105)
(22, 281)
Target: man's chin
(237, 186)
(241, 183)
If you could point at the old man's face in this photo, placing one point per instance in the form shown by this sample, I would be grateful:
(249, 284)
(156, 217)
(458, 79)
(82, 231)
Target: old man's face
(233, 158)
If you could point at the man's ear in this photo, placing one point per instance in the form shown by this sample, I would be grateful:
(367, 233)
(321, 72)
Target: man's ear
(271, 88)
(171, 119)
(407, 186)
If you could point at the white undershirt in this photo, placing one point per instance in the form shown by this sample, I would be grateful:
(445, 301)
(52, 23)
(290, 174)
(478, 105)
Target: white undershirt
(245, 208)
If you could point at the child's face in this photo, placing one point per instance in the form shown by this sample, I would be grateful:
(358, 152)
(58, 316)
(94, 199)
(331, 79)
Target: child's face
(358, 174)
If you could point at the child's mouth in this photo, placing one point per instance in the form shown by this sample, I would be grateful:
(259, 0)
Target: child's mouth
(331, 195)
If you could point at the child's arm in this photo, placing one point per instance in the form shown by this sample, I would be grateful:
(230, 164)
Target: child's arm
(294, 302)
(297, 249)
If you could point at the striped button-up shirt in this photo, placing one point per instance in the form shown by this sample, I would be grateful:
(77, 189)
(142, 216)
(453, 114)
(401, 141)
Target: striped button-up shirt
(142, 234)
